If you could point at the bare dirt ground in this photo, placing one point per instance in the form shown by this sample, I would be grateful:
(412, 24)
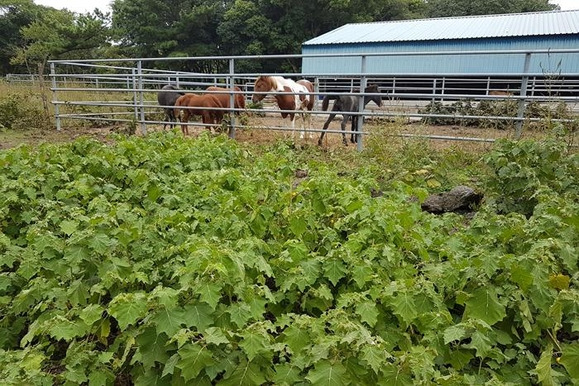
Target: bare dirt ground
(269, 129)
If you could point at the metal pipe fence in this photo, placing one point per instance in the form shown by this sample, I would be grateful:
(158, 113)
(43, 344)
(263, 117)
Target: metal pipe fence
(124, 91)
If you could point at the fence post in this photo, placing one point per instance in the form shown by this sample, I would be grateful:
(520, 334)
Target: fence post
(141, 99)
(134, 88)
(55, 96)
(523, 94)
(360, 145)
(232, 98)
(317, 92)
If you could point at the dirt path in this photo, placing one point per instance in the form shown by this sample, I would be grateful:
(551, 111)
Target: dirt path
(258, 130)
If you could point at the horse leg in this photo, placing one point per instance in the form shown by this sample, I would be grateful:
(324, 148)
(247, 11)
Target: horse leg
(303, 133)
(326, 124)
(166, 118)
(345, 118)
(184, 120)
(309, 116)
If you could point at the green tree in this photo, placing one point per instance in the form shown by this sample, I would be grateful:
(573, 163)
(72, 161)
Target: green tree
(14, 15)
(60, 34)
(443, 8)
(252, 27)
(160, 28)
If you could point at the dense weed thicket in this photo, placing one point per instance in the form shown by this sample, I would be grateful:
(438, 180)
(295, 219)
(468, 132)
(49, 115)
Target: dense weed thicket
(164, 260)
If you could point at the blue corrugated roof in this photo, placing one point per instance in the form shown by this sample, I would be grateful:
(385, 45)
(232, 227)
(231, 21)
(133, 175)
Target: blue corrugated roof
(469, 27)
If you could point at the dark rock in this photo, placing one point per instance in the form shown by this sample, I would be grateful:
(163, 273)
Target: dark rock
(301, 173)
(376, 193)
(461, 199)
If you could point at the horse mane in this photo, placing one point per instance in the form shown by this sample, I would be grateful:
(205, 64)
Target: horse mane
(269, 80)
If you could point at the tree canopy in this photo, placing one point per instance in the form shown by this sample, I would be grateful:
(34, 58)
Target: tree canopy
(160, 28)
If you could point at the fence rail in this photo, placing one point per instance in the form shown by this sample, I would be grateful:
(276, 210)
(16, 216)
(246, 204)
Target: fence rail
(124, 90)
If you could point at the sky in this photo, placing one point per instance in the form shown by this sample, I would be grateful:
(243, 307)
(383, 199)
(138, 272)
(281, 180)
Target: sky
(83, 6)
(80, 6)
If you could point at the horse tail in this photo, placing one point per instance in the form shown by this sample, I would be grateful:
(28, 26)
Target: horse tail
(326, 101)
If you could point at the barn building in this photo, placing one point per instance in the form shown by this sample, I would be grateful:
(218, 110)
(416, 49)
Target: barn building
(554, 30)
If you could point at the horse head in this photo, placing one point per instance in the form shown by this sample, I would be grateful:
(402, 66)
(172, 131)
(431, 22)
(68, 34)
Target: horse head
(373, 89)
(262, 84)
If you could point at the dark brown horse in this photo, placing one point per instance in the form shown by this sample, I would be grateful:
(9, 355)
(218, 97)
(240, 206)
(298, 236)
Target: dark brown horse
(346, 105)
(239, 99)
(289, 95)
(203, 105)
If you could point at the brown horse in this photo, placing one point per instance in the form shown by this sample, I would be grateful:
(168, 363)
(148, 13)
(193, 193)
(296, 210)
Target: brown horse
(239, 99)
(203, 105)
(289, 95)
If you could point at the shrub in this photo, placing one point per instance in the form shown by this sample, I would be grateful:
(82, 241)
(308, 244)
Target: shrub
(21, 112)
(523, 169)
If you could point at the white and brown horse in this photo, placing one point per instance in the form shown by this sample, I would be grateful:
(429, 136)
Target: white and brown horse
(289, 95)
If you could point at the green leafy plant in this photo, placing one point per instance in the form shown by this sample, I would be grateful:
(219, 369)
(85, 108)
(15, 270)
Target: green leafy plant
(164, 260)
(21, 112)
(521, 170)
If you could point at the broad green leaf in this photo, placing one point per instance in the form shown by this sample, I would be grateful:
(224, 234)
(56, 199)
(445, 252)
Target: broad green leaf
(170, 365)
(63, 328)
(460, 358)
(484, 305)
(68, 226)
(326, 373)
(453, 333)
(127, 308)
(245, 374)
(240, 313)
(570, 360)
(368, 312)
(152, 348)
(362, 274)
(210, 293)
(403, 304)
(91, 314)
(286, 375)
(169, 321)
(194, 358)
(481, 343)
(215, 335)
(375, 356)
(198, 315)
(296, 338)
(334, 270)
(543, 369)
(394, 375)
(100, 378)
(522, 276)
(298, 226)
(253, 343)
(101, 243)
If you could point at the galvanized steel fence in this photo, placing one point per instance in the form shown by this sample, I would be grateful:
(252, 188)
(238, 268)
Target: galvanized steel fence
(124, 90)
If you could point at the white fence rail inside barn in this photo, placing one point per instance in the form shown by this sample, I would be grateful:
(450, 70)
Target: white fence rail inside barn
(108, 91)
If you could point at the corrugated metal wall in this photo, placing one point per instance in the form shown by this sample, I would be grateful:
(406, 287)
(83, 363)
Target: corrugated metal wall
(444, 64)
